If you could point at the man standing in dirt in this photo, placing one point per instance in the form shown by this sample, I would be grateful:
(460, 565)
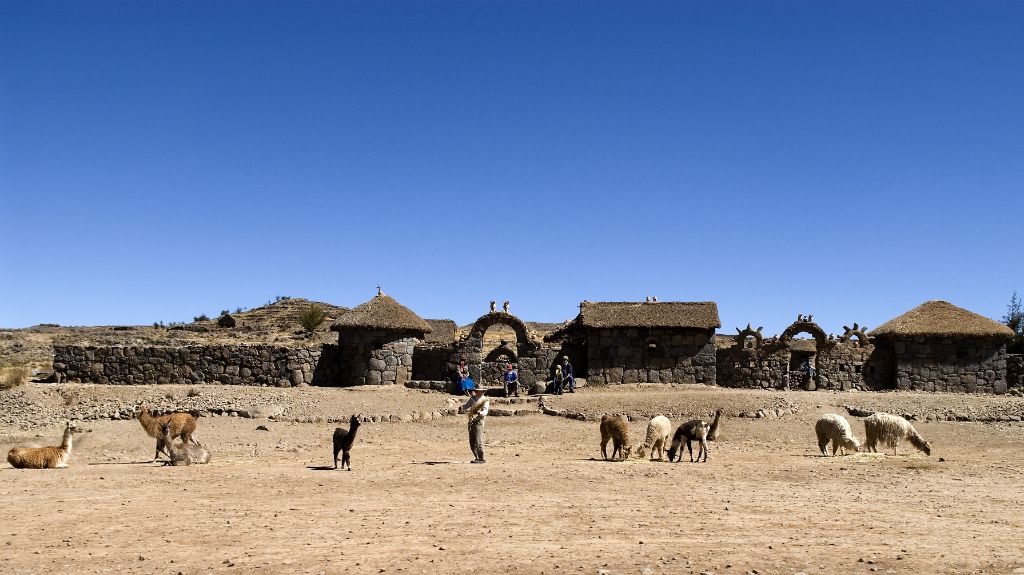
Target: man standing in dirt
(476, 409)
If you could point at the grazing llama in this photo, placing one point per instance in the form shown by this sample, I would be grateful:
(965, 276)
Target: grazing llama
(43, 457)
(188, 453)
(694, 430)
(343, 440)
(182, 425)
(889, 430)
(835, 428)
(615, 428)
(658, 432)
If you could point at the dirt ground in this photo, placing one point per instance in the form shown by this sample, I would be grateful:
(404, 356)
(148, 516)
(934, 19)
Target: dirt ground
(543, 503)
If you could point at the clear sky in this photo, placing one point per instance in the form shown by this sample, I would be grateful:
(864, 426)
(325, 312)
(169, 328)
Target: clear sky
(159, 160)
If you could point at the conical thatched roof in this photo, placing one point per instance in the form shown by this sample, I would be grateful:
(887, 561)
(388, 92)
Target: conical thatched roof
(702, 315)
(381, 312)
(941, 318)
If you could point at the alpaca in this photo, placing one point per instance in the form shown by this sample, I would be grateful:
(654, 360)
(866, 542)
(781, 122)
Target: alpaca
(658, 431)
(713, 430)
(835, 428)
(188, 453)
(694, 430)
(343, 439)
(43, 457)
(889, 430)
(182, 425)
(616, 428)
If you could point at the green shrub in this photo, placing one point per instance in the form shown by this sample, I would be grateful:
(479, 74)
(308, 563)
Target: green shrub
(11, 377)
(312, 316)
(201, 318)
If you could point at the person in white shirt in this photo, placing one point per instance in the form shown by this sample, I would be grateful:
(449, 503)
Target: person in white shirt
(476, 409)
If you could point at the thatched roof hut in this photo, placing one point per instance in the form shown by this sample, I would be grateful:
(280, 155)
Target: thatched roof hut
(442, 331)
(941, 319)
(699, 315)
(381, 312)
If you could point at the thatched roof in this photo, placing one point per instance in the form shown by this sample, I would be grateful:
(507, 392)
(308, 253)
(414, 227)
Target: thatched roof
(941, 318)
(701, 315)
(381, 312)
(803, 345)
(442, 331)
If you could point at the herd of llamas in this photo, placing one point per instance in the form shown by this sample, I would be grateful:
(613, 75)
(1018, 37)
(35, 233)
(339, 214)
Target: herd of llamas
(881, 429)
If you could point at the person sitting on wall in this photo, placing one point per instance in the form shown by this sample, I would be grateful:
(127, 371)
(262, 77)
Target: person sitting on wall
(556, 382)
(465, 383)
(511, 381)
(567, 374)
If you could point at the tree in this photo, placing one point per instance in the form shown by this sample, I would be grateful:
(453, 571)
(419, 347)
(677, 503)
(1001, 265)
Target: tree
(312, 316)
(1014, 319)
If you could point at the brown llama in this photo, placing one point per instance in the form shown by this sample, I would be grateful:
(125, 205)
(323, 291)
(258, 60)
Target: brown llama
(615, 428)
(343, 440)
(43, 457)
(182, 425)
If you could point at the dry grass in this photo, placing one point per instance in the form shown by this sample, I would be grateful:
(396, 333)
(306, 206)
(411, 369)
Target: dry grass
(11, 377)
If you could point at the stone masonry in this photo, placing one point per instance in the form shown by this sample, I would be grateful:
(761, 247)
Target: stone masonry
(262, 365)
(626, 355)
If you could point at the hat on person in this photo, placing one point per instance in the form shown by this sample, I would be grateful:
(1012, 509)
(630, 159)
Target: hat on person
(509, 366)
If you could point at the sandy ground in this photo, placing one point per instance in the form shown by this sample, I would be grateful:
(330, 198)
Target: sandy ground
(543, 503)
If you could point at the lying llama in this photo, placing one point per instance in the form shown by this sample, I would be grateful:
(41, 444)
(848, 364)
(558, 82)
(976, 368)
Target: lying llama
(889, 430)
(182, 425)
(188, 453)
(43, 457)
(694, 430)
(658, 431)
(835, 428)
(343, 440)
(615, 428)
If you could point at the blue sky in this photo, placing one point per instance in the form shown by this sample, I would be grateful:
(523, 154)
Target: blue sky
(847, 159)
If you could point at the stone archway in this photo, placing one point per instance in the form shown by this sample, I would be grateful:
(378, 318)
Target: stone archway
(805, 324)
(471, 348)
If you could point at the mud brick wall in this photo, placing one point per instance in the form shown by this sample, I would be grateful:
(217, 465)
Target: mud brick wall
(957, 365)
(624, 356)
(1015, 371)
(264, 365)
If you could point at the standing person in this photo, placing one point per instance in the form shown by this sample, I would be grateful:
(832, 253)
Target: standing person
(567, 374)
(476, 409)
(511, 381)
(556, 383)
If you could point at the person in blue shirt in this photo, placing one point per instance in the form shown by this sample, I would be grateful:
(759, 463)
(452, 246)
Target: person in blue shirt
(511, 381)
(570, 381)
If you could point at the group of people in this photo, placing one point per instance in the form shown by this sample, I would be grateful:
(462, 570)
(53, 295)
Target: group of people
(477, 406)
(563, 379)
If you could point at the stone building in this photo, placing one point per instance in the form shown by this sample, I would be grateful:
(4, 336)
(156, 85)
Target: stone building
(938, 346)
(376, 341)
(645, 342)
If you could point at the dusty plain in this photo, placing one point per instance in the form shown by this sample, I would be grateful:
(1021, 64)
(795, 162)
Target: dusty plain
(543, 503)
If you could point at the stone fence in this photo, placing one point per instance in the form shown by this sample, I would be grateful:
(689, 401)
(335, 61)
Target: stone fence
(1015, 371)
(263, 365)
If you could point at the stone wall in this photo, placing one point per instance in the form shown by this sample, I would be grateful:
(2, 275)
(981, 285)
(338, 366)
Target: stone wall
(226, 364)
(1015, 371)
(375, 357)
(624, 356)
(430, 362)
(957, 365)
(839, 365)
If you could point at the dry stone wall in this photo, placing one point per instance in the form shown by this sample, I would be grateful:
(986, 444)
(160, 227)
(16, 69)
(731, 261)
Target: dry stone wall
(375, 357)
(627, 356)
(839, 365)
(1015, 371)
(263, 365)
(956, 365)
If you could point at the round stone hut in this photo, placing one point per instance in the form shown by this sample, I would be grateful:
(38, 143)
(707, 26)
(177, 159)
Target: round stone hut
(376, 341)
(938, 346)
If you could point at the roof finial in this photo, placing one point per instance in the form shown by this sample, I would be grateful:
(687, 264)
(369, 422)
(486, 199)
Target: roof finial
(378, 289)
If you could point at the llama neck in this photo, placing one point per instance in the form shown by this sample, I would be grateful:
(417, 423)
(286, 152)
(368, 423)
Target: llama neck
(713, 432)
(65, 444)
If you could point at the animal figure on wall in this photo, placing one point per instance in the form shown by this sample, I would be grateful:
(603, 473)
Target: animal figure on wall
(693, 430)
(658, 431)
(43, 457)
(188, 453)
(889, 430)
(835, 428)
(182, 425)
(343, 439)
(616, 429)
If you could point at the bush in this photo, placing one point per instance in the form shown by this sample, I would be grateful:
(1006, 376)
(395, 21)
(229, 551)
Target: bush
(201, 318)
(11, 377)
(312, 316)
